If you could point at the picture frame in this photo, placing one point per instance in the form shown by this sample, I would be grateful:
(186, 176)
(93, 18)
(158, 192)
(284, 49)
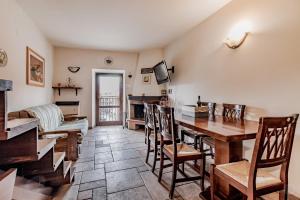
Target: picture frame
(146, 79)
(35, 68)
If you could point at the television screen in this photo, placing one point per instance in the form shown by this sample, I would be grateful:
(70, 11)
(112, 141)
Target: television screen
(161, 72)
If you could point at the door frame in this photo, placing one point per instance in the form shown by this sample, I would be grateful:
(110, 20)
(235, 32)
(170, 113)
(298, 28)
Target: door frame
(109, 71)
(109, 123)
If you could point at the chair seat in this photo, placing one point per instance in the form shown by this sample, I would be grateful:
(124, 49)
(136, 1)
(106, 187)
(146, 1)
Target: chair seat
(182, 150)
(239, 171)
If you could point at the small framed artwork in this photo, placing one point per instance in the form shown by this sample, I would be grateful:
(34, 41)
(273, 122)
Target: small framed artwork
(147, 79)
(35, 68)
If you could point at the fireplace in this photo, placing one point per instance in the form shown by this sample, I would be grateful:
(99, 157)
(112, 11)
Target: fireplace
(135, 118)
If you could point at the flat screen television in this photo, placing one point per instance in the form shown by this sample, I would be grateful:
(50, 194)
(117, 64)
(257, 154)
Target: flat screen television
(161, 73)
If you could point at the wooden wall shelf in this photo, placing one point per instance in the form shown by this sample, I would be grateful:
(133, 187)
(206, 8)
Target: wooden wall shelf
(66, 88)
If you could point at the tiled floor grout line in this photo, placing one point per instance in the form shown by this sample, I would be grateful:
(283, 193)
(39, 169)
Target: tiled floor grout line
(135, 147)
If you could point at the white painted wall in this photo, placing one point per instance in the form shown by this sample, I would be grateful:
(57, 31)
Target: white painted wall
(94, 59)
(147, 59)
(263, 73)
(18, 31)
(89, 60)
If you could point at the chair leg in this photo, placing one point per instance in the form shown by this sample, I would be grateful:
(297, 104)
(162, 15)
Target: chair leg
(182, 136)
(148, 149)
(146, 135)
(195, 147)
(154, 157)
(283, 195)
(174, 174)
(161, 167)
(201, 144)
(212, 153)
(212, 182)
(203, 173)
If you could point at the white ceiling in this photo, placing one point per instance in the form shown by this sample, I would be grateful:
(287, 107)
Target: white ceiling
(125, 25)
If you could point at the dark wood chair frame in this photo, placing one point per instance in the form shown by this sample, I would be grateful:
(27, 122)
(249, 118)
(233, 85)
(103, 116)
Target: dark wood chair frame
(168, 128)
(150, 126)
(273, 147)
(198, 138)
(231, 112)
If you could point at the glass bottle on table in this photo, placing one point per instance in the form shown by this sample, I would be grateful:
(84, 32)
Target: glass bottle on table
(199, 101)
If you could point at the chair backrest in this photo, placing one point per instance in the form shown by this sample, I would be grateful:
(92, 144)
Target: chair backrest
(211, 107)
(273, 146)
(234, 111)
(149, 115)
(167, 126)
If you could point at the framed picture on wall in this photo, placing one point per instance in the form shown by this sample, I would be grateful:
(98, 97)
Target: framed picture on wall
(35, 68)
(147, 79)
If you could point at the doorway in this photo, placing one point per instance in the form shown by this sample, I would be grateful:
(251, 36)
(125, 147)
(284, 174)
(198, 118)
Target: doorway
(109, 99)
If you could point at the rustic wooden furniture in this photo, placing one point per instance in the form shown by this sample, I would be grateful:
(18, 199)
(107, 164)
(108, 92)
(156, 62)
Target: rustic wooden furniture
(273, 147)
(7, 182)
(198, 137)
(59, 88)
(135, 117)
(178, 153)
(66, 140)
(153, 138)
(228, 135)
(230, 111)
(69, 107)
(21, 148)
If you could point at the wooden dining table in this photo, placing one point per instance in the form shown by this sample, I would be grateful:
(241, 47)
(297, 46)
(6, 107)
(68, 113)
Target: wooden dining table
(228, 135)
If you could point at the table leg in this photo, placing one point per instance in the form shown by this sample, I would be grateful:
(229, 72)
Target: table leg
(225, 152)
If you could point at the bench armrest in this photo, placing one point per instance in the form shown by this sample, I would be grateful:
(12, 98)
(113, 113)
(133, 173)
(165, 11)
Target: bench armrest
(73, 117)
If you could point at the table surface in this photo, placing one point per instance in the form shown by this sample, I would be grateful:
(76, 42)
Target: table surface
(220, 128)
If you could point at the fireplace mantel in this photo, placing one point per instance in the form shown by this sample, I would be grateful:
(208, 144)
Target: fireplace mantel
(135, 117)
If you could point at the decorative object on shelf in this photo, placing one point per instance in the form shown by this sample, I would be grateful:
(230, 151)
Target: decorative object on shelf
(108, 60)
(147, 79)
(146, 70)
(237, 35)
(35, 68)
(73, 69)
(70, 82)
(3, 58)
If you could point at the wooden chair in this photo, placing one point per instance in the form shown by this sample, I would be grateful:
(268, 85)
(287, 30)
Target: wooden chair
(272, 148)
(231, 112)
(152, 137)
(178, 153)
(197, 136)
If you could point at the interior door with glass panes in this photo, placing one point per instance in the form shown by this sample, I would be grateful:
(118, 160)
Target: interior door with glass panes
(109, 99)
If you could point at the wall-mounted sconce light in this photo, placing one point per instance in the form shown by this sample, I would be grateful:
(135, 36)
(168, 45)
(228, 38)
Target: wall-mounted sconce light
(237, 35)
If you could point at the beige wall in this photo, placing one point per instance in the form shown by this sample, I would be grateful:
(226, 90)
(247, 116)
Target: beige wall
(18, 31)
(263, 73)
(94, 59)
(147, 59)
(88, 60)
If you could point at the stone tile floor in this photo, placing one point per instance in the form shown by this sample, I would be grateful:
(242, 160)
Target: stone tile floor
(111, 166)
